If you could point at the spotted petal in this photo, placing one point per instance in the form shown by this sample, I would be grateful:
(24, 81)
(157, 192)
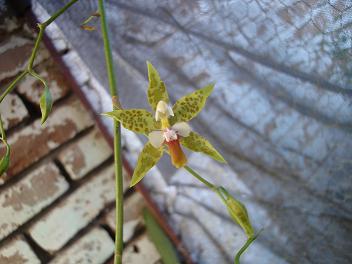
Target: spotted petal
(197, 143)
(137, 120)
(190, 105)
(156, 89)
(146, 160)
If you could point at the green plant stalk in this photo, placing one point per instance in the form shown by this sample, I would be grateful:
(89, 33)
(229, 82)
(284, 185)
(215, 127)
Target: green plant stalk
(2, 130)
(214, 188)
(244, 247)
(29, 70)
(12, 85)
(200, 178)
(36, 47)
(59, 13)
(117, 138)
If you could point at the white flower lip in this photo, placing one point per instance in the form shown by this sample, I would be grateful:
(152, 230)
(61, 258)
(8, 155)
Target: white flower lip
(182, 129)
(157, 137)
(163, 110)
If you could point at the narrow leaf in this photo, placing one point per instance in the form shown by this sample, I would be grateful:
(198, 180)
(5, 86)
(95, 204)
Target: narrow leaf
(46, 103)
(161, 241)
(5, 160)
(156, 89)
(88, 28)
(197, 143)
(190, 105)
(237, 211)
(46, 100)
(146, 160)
(85, 25)
(136, 120)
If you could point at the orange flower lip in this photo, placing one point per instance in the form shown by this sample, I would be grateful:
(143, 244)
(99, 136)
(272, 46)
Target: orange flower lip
(178, 157)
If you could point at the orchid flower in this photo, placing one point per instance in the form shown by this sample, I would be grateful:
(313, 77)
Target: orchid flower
(168, 127)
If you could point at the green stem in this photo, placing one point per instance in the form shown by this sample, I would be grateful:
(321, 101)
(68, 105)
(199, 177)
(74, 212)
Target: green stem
(12, 85)
(244, 248)
(36, 47)
(216, 190)
(37, 76)
(59, 13)
(2, 130)
(200, 178)
(117, 138)
(42, 27)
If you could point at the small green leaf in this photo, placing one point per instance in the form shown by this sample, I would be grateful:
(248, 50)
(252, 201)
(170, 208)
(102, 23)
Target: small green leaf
(190, 105)
(156, 89)
(146, 160)
(197, 143)
(5, 160)
(136, 120)
(237, 211)
(161, 241)
(46, 100)
(46, 103)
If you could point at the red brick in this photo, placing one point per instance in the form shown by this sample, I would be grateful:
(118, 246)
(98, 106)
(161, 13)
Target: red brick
(57, 227)
(17, 252)
(141, 250)
(35, 141)
(23, 200)
(94, 247)
(133, 219)
(8, 25)
(85, 154)
(14, 54)
(12, 111)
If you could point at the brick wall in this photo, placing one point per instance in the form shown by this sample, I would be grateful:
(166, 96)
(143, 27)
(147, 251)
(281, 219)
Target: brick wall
(57, 198)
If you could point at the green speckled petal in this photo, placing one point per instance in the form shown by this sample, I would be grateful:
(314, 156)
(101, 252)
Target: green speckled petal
(197, 143)
(156, 89)
(146, 160)
(190, 105)
(137, 120)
